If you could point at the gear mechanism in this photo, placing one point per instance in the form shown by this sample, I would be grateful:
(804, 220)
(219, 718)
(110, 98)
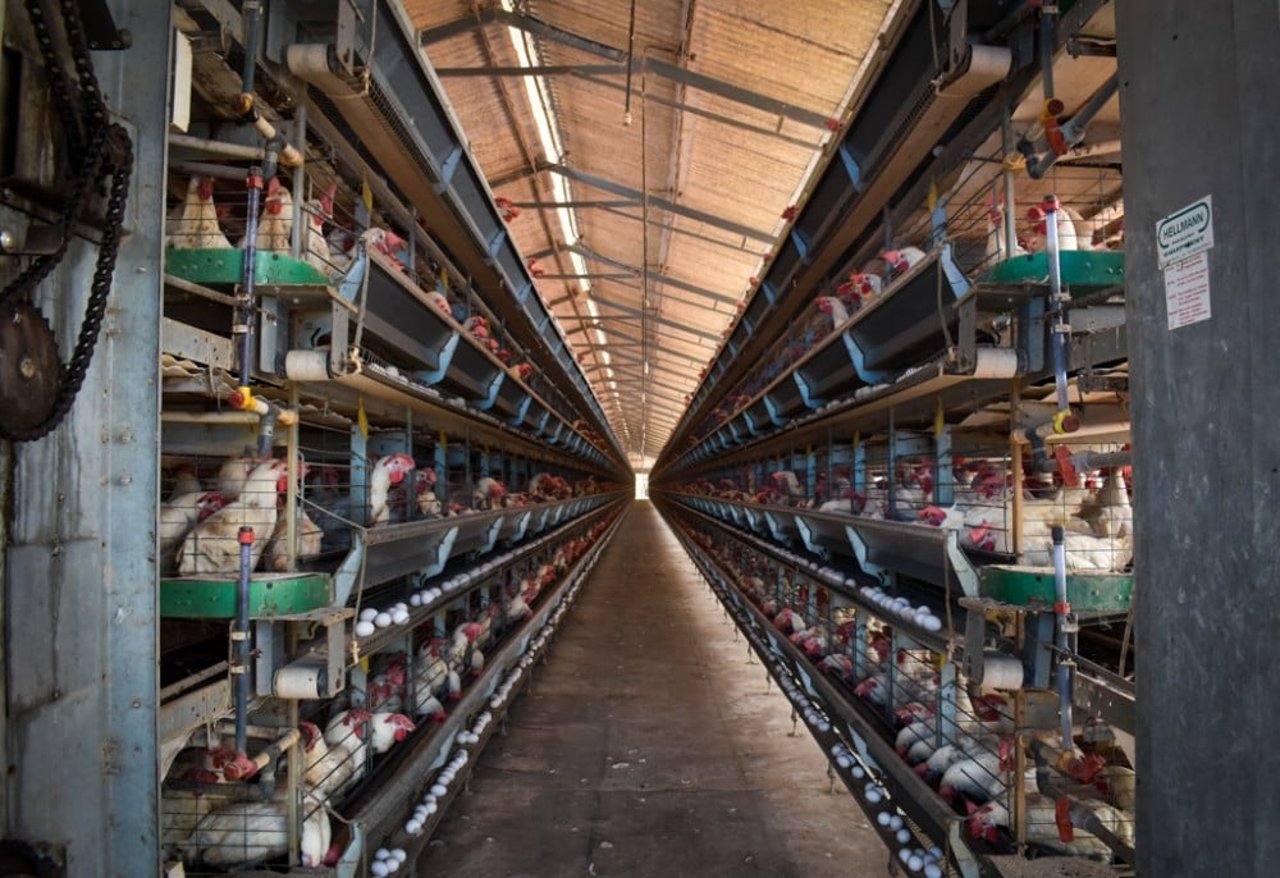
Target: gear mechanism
(29, 369)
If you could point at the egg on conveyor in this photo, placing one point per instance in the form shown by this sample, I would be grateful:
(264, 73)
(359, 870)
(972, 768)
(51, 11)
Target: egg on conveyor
(364, 628)
(382, 620)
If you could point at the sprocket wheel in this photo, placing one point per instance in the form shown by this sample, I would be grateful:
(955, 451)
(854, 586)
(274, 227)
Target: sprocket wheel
(29, 368)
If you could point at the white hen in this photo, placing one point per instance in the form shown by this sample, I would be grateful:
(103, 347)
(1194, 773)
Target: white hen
(193, 225)
(247, 832)
(387, 471)
(213, 545)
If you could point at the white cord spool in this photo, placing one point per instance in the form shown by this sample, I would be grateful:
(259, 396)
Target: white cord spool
(307, 366)
(299, 680)
(1001, 672)
(996, 363)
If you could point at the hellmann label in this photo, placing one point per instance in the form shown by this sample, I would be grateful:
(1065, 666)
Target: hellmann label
(1184, 233)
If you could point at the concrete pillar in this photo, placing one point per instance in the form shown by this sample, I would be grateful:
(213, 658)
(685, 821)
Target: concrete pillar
(1200, 84)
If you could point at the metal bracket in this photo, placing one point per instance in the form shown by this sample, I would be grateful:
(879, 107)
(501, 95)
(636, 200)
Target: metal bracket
(860, 553)
(809, 401)
(443, 550)
(100, 28)
(859, 360)
(961, 566)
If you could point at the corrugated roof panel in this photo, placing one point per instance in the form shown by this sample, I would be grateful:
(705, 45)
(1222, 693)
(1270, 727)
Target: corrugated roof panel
(719, 149)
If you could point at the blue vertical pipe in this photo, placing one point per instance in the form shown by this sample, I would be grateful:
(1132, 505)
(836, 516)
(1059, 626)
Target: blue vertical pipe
(1048, 43)
(1057, 300)
(240, 638)
(1061, 609)
(254, 184)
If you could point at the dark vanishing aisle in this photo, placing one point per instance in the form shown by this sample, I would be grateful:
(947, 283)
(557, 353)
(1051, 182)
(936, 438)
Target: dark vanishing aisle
(648, 746)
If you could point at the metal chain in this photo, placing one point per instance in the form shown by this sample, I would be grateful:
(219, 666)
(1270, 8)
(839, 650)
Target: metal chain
(109, 150)
(57, 80)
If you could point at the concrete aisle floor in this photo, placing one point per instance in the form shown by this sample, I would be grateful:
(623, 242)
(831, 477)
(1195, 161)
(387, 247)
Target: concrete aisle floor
(649, 747)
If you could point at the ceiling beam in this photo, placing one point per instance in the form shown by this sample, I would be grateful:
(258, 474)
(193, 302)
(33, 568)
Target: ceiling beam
(654, 318)
(617, 276)
(651, 391)
(539, 70)
(630, 375)
(698, 81)
(516, 176)
(586, 204)
(667, 295)
(737, 245)
(808, 144)
(655, 277)
(660, 203)
(666, 341)
(616, 335)
(594, 74)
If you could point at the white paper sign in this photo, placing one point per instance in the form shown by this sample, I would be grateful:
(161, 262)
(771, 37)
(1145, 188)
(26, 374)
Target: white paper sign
(1186, 290)
(1185, 232)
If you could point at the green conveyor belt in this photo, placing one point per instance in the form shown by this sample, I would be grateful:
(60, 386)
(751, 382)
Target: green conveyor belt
(217, 268)
(1083, 271)
(1032, 587)
(270, 594)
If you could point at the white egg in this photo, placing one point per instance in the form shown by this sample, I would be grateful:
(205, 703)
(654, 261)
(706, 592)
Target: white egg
(432, 808)
(883, 818)
(399, 854)
(381, 854)
(382, 620)
(843, 762)
(903, 836)
(439, 790)
(367, 614)
(933, 623)
(857, 772)
(379, 869)
(428, 800)
(932, 870)
(904, 855)
(895, 822)
(364, 628)
(915, 864)
(873, 796)
(935, 852)
(393, 865)
(413, 827)
(400, 618)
